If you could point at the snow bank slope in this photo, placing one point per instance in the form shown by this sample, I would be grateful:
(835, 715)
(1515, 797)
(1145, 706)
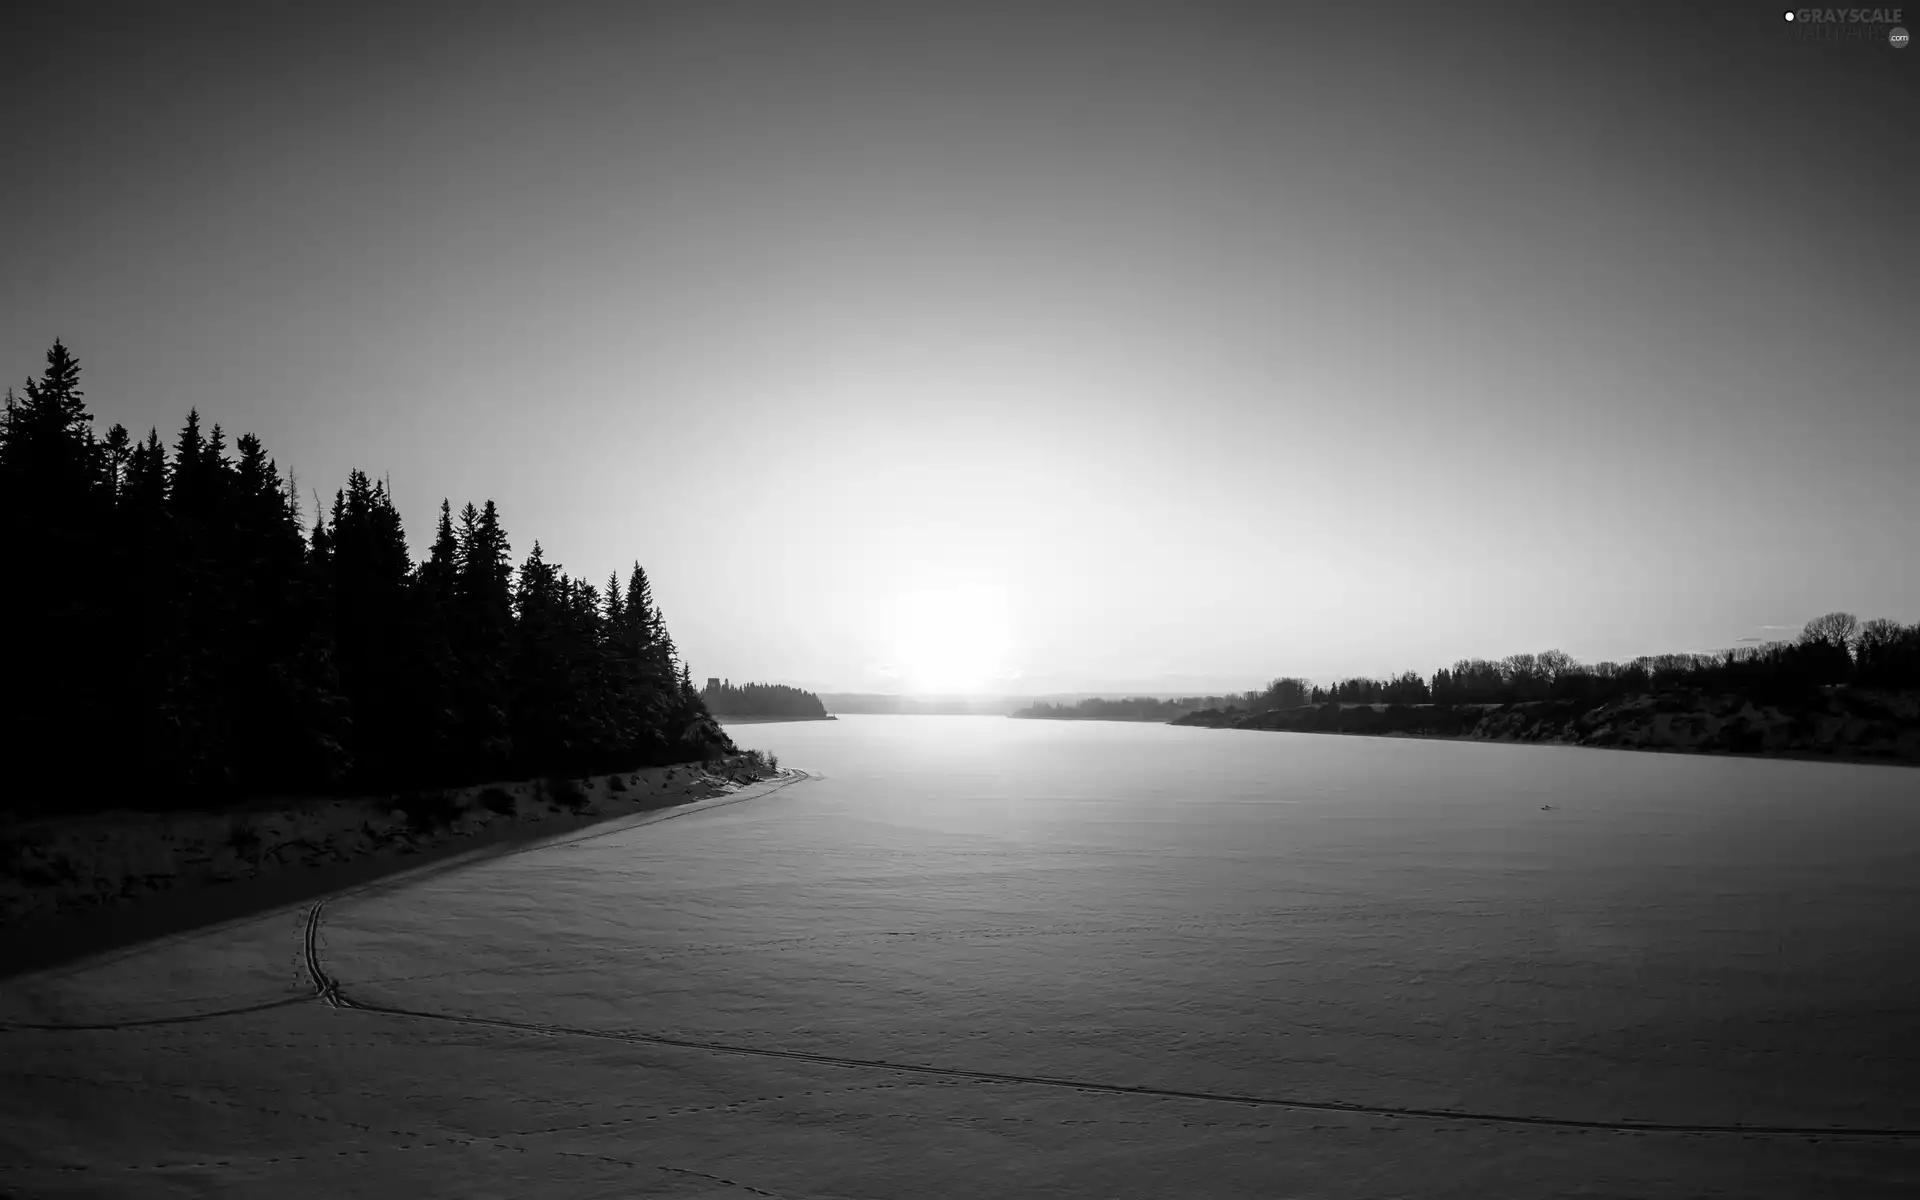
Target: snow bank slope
(59, 866)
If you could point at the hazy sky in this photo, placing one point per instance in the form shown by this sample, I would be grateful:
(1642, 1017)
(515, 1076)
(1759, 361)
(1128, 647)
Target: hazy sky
(1025, 347)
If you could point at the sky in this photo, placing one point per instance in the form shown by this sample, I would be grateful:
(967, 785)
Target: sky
(1033, 347)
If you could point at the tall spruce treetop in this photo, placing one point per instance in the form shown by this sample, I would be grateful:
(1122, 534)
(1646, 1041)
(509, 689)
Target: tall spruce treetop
(494, 538)
(640, 613)
(259, 511)
(486, 568)
(115, 450)
(616, 605)
(538, 585)
(259, 478)
(145, 485)
(367, 539)
(47, 442)
(322, 541)
(56, 406)
(444, 558)
(666, 655)
(187, 489)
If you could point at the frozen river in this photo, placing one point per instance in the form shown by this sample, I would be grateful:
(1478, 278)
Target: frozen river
(1125, 960)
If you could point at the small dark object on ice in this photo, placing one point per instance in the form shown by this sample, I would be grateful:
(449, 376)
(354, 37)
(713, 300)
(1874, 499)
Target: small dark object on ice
(1545, 807)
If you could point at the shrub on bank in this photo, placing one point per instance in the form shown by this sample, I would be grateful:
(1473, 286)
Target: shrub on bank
(429, 810)
(564, 793)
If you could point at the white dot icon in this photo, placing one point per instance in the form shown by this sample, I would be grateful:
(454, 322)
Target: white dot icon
(1789, 14)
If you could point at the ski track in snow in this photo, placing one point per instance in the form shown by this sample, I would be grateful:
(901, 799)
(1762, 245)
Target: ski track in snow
(328, 990)
(397, 1127)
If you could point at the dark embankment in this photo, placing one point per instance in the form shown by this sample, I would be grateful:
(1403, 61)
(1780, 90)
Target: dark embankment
(1838, 723)
(74, 886)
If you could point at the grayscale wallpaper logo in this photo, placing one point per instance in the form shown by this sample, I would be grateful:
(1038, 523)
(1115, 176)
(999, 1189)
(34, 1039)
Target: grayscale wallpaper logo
(1849, 25)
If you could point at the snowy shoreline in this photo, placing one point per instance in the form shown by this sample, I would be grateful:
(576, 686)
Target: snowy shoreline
(55, 869)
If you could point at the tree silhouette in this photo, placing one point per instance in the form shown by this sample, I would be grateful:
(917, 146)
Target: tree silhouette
(762, 700)
(177, 630)
(52, 518)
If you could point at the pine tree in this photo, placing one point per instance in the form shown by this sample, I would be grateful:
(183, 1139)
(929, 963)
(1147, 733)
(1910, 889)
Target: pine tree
(369, 575)
(292, 715)
(188, 486)
(115, 450)
(443, 558)
(538, 677)
(145, 485)
(48, 437)
(54, 524)
(482, 629)
(595, 710)
(436, 667)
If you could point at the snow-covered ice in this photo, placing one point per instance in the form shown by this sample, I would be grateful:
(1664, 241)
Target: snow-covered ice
(721, 1000)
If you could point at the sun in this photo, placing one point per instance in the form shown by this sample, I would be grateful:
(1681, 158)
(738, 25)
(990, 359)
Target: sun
(950, 636)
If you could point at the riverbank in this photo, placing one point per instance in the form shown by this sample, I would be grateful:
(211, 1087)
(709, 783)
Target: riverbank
(113, 864)
(1842, 725)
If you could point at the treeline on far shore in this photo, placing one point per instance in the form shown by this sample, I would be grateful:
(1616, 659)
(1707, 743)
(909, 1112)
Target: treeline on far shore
(1833, 650)
(181, 638)
(1837, 649)
(1133, 708)
(724, 698)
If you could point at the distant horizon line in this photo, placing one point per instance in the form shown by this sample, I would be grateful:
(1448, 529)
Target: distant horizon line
(1126, 691)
